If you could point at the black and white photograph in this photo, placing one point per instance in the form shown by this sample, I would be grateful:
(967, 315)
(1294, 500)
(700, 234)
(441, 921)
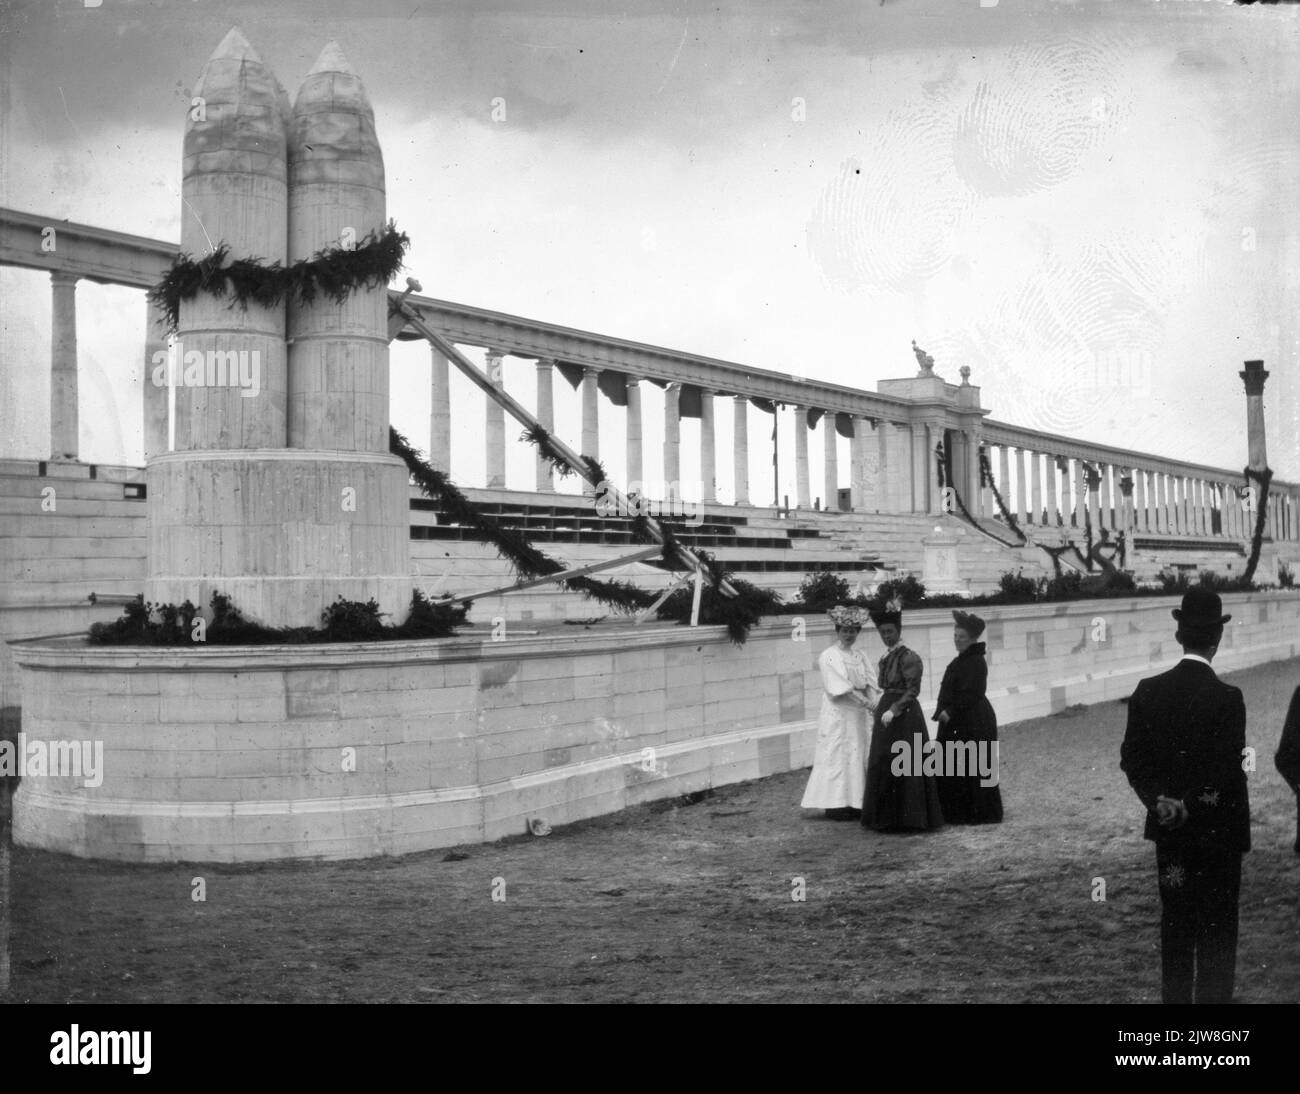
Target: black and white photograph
(657, 502)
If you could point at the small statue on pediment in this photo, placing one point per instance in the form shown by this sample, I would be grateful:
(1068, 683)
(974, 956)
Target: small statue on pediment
(927, 362)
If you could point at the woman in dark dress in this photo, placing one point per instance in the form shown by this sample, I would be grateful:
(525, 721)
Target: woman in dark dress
(897, 799)
(965, 715)
(1288, 756)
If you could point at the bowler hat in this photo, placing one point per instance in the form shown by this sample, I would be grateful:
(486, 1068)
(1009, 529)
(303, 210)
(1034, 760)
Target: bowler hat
(1201, 607)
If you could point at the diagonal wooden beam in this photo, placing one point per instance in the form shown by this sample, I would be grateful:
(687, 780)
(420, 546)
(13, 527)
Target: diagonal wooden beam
(521, 414)
(563, 575)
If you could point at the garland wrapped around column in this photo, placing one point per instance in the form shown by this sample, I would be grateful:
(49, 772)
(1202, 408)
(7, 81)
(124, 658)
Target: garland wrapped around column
(527, 560)
(332, 271)
(737, 613)
(1264, 478)
(986, 479)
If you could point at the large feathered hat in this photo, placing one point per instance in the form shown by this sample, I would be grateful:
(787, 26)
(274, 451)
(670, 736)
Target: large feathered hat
(971, 623)
(892, 613)
(842, 615)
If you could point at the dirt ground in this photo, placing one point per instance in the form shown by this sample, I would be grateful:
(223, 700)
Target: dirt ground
(692, 901)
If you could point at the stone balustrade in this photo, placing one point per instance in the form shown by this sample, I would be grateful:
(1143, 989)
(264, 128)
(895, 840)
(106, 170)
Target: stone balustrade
(897, 436)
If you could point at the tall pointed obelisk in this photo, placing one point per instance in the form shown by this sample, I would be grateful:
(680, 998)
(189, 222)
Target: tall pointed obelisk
(338, 352)
(281, 530)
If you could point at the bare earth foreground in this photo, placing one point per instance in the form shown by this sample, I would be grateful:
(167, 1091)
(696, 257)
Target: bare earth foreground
(692, 901)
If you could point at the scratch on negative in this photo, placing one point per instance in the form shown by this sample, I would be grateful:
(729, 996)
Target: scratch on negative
(673, 64)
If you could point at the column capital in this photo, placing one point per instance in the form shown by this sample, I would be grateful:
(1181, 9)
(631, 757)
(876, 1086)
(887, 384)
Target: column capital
(64, 277)
(741, 398)
(591, 370)
(633, 381)
(498, 353)
(545, 362)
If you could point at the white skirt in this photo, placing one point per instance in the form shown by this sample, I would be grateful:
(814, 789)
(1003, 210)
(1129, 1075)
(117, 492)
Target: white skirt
(839, 774)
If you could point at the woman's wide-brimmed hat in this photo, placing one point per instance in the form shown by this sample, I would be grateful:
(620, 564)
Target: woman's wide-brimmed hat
(892, 613)
(971, 623)
(1201, 608)
(842, 615)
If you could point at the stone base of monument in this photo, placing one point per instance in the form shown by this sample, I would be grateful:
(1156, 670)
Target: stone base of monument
(347, 751)
(282, 532)
(940, 575)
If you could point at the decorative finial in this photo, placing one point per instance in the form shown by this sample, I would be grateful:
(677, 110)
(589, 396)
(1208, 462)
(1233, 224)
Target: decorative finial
(965, 375)
(927, 362)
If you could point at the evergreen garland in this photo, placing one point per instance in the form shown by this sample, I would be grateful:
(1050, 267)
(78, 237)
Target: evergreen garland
(738, 613)
(528, 561)
(334, 272)
(986, 478)
(1264, 478)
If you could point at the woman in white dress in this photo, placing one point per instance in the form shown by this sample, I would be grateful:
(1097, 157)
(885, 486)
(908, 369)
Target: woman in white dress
(839, 779)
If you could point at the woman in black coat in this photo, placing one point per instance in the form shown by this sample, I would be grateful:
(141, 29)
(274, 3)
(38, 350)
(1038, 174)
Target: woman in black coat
(1288, 756)
(965, 715)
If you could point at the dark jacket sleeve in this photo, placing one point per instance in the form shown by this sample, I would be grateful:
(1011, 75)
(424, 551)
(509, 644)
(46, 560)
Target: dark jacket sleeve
(1288, 748)
(1221, 794)
(964, 687)
(1138, 753)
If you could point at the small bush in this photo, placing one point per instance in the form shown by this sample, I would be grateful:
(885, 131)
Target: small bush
(342, 621)
(1285, 576)
(1017, 588)
(821, 592)
(906, 588)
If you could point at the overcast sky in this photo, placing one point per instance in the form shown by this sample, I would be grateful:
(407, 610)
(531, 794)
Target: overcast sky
(1025, 188)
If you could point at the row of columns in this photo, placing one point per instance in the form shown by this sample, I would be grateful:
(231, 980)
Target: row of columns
(893, 466)
(1135, 499)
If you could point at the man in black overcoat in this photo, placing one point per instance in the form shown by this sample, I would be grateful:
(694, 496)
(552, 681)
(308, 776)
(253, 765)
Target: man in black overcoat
(1183, 755)
(1288, 756)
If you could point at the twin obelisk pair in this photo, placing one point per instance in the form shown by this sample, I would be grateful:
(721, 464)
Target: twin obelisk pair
(289, 498)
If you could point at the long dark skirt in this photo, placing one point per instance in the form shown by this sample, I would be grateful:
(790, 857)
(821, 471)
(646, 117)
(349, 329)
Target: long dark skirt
(964, 801)
(898, 802)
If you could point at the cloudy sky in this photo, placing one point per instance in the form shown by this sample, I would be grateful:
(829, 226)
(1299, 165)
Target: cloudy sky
(1040, 190)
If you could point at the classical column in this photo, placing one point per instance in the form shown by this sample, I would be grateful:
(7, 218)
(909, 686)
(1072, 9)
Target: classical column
(1035, 487)
(920, 453)
(155, 402)
(1109, 517)
(974, 487)
(866, 465)
(634, 480)
(1004, 477)
(440, 410)
(63, 366)
(1063, 500)
(1124, 510)
(1092, 481)
(1080, 494)
(933, 436)
(590, 418)
(545, 415)
(1142, 501)
(672, 433)
(1182, 513)
(494, 422)
(708, 449)
(888, 472)
(801, 490)
(1022, 513)
(831, 480)
(741, 449)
